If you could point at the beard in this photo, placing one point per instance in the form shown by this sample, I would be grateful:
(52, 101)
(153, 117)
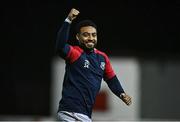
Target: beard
(88, 46)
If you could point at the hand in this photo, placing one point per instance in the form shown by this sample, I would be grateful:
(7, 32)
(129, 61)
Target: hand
(126, 98)
(73, 14)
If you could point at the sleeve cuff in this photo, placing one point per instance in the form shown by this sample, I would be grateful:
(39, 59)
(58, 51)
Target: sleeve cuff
(67, 20)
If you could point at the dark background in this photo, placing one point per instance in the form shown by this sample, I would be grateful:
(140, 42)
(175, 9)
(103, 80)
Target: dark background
(144, 29)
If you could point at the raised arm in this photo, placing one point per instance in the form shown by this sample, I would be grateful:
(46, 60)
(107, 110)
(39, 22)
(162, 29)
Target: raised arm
(62, 47)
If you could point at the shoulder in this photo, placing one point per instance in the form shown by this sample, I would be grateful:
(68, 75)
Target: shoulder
(100, 52)
(103, 54)
(74, 53)
(76, 48)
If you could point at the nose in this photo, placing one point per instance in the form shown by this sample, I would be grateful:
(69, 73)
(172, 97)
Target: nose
(91, 37)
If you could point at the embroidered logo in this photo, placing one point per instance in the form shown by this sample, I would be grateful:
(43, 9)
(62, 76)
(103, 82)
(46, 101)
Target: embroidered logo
(102, 65)
(86, 64)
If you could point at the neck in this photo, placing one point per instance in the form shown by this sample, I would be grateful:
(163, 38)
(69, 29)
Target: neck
(86, 49)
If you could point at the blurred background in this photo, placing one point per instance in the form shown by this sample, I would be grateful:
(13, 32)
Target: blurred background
(140, 37)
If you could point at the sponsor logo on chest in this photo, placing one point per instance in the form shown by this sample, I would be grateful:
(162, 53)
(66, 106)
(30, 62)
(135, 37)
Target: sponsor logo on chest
(102, 65)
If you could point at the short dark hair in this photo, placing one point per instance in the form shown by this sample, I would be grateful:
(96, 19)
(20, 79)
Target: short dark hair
(84, 23)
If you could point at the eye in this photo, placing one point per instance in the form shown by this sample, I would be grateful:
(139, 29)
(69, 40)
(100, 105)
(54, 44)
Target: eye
(94, 34)
(85, 34)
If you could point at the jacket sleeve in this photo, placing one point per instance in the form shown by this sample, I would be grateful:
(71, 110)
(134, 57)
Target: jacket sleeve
(62, 47)
(111, 79)
(115, 86)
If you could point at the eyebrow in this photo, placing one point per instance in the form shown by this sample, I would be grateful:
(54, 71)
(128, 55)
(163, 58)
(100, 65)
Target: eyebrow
(89, 33)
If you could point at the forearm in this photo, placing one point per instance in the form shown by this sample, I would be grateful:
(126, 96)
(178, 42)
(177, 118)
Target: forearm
(115, 86)
(62, 36)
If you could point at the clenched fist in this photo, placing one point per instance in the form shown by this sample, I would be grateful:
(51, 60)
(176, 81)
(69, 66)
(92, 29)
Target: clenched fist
(73, 14)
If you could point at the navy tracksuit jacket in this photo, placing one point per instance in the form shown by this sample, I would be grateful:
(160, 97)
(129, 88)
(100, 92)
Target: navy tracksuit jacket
(83, 75)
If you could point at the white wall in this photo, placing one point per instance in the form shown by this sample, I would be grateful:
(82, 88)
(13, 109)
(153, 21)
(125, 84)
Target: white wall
(128, 73)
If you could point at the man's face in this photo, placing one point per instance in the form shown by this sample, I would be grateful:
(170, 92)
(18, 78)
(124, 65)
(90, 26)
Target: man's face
(87, 37)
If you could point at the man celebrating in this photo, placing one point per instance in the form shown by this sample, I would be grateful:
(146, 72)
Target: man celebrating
(85, 68)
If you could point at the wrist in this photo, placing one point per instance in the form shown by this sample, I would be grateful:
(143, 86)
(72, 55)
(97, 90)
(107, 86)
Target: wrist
(68, 20)
(122, 95)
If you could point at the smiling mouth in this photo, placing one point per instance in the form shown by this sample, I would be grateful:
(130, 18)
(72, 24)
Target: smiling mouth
(90, 43)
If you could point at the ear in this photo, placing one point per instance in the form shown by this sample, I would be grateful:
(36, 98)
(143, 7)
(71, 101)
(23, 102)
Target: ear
(77, 36)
